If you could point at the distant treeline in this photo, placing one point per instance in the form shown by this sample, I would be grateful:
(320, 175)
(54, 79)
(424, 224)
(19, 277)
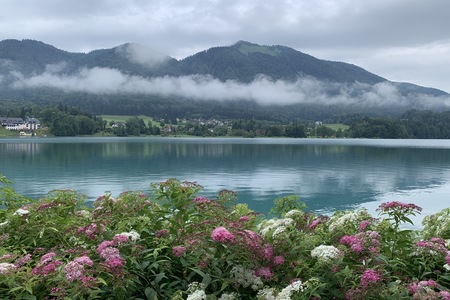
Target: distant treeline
(413, 124)
(66, 120)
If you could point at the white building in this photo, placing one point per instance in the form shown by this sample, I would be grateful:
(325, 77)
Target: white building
(20, 124)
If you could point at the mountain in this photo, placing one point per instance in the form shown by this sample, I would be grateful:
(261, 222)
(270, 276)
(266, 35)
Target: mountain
(243, 61)
(263, 75)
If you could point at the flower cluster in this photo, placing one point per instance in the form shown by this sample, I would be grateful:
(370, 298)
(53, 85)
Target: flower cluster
(370, 277)
(133, 235)
(75, 269)
(437, 224)
(287, 292)
(222, 235)
(92, 230)
(275, 226)
(434, 246)
(367, 243)
(6, 267)
(246, 278)
(426, 289)
(22, 212)
(264, 272)
(349, 221)
(23, 260)
(178, 250)
(201, 200)
(400, 207)
(196, 291)
(113, 261)
(325, 253)
(47, 265)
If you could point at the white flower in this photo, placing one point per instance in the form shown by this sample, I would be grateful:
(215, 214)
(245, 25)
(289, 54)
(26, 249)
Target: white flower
(324, 252)
(132, 235)
(3, 224)
(348, 217)
(272, 224)
(84, 213)
(278, 231)
(246, 278)
(293, 212)
(266, 294)
(21, 212)
(447, 267)
(229, 296)
(5, 267)
(287, 292)
(197, 295)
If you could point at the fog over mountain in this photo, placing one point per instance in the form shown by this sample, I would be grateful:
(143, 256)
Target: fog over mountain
(267, 75)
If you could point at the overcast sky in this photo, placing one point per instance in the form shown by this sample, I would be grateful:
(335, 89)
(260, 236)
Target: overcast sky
(401, 40)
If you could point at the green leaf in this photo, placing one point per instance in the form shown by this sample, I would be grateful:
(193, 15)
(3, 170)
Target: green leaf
(159, 277)
(150, 293)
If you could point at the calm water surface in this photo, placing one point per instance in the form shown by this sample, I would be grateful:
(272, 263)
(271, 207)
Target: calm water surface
(327, 174)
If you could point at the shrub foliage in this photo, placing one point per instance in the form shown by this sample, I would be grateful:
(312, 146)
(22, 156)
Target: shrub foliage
(174, 244)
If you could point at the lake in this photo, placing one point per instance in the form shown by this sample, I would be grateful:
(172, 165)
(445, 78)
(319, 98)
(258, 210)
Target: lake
(326, 174)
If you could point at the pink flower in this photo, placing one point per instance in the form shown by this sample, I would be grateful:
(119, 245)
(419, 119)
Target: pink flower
(115, 262)
(103, 246)
(353, 242)
(91, 230)
(178, 250)
(444, 295)
(267, 252)
(74, 271)
(244, 219)
(221, 234)
(432, 246)
(370, 277)
(88, 281)
(20, 262)
(47, 257)
(162, 233)
(120, 239)
(363, 225)
(5, 256)
(264, 272)
(49, 268)
(314, 224)
(399, 206)
(201, 200)
(84, 261)
(110, 253)
(367, 242)
(278, 260)
(416, 287)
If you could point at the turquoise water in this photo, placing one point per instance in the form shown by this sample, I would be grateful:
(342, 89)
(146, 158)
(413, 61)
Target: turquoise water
(327, 174)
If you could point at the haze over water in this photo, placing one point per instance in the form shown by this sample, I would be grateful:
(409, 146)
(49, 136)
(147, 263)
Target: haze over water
(327, 174)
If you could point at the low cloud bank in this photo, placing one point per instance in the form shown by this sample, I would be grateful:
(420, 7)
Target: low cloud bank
(263, 89)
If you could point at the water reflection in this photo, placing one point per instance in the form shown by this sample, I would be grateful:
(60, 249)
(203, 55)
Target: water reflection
(326, 174)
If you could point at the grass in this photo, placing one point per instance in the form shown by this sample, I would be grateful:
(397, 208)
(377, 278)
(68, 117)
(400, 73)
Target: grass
(337, 126)
(8, 133)
(117, 118)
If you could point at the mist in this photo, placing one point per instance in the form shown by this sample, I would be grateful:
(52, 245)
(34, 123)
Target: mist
(262, 89)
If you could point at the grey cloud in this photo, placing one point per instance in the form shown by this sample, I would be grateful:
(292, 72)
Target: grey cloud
(364, 32)
(139, 54)
(263, 90)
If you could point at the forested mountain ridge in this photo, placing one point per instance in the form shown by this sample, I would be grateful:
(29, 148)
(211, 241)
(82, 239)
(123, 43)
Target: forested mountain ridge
(254, 81)
(243, 61)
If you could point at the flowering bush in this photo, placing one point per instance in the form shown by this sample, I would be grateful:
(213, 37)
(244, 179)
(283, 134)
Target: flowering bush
(174, 244)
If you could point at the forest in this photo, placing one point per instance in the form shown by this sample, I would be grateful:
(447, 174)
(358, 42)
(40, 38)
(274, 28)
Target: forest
(69, 120)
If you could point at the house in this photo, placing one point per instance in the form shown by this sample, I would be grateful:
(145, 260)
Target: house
(12, 123)
(20, 124)
(32, 124)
